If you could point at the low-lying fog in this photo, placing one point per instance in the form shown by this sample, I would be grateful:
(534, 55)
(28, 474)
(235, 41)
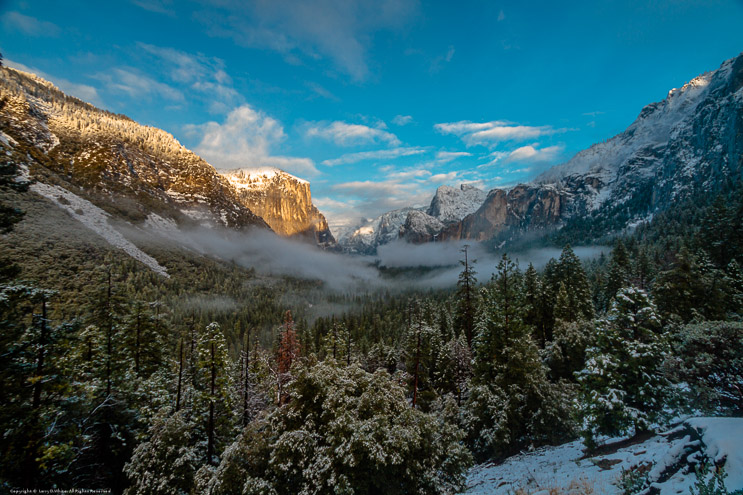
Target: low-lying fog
(435, 265)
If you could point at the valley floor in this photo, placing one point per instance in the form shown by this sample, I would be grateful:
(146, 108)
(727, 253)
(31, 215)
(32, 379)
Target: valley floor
(668, 459)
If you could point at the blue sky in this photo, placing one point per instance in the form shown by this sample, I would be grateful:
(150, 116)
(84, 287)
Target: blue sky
(375, 102)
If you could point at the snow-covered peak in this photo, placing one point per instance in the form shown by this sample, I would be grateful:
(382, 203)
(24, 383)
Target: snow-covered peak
(451, 204)
(652, 127)
(255, 177)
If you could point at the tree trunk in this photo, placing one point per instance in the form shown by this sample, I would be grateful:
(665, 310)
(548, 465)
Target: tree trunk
(210, 425)
(40, 358)
(180, 378)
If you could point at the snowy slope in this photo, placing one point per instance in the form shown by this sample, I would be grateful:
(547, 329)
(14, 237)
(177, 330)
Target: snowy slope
(668, 460)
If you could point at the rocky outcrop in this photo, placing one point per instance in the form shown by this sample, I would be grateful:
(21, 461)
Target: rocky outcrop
(283, 201)
(523, 208)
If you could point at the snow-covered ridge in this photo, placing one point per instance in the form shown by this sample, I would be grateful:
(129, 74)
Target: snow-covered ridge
(654, 125)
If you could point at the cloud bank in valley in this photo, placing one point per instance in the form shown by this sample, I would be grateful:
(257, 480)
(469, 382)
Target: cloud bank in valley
(270, 254)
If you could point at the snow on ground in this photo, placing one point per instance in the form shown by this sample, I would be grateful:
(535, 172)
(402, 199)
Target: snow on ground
(96, 220)
(724, 440)
(666, 459)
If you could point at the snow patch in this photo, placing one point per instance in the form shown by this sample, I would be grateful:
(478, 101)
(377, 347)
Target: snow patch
(560, 467)
(96, 220)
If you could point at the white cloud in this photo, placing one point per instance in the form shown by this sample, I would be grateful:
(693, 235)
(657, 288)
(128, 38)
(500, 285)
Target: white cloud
(83, 91)
(448, 156)
(489, 133)
(137, 85)
(532, 154)
(28, 25)
(501, 16)
(402, 120)
(245, 140)
(373, 155)
(345, 134)
(525, 154)
(338, 30)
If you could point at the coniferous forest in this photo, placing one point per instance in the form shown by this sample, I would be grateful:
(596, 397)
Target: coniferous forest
(137, 385)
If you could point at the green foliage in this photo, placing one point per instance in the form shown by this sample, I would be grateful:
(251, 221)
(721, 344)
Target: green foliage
(633, 479)
(710, 483)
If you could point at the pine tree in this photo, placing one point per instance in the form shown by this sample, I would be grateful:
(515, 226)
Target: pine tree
(533, 315)
(622, 384)
(214, 399)
(573, 276)
(464, 320)
(507, 368)
(619, 270)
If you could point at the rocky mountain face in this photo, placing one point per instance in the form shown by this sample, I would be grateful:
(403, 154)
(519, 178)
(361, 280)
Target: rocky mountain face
(283, 201)
(129, 170)
(523, 208)
(448, 206)
(690, 142)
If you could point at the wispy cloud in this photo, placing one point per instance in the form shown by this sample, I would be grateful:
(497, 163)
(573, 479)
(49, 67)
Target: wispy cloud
(489, 133)
(336, 30)
(31, 26)
(245, 140)
(373, 155)
(402, 120)
(438, 63)
(524, 154)
(158, 6)
(83, 91)
(448, 156)
(345, 134)
(135, 84)
(204, 75)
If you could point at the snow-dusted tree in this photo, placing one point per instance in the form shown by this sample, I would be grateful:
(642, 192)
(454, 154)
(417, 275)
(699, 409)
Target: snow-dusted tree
(213, 401)
(619, 271)
(344, 431)
(166, 462)
(573, 276)
(507, 367)
(337, 344)
(288, 354)
(709, 357)
(623, 385)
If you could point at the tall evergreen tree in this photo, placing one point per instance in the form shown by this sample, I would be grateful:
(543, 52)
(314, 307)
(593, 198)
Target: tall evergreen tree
(214, 401)
(464, 320)
(623, 385)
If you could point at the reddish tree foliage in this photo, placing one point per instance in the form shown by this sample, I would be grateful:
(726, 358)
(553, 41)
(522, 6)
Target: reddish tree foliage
(288, 354)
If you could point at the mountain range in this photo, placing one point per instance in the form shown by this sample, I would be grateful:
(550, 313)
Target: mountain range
(690, 142)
